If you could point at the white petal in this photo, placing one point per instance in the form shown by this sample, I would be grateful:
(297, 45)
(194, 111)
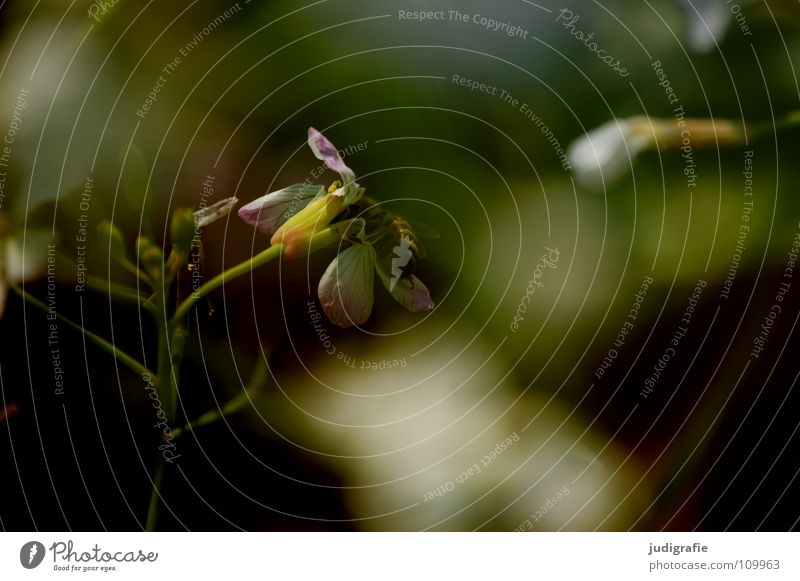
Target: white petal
(269, 212)
(346, 289)
(706, 23)
(605, 153)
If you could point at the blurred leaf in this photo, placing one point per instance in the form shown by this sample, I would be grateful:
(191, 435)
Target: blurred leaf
(135, 181)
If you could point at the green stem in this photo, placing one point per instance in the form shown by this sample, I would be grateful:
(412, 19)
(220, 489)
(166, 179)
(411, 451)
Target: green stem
(177, 346)
(164, 368)
(171, 341)
(126, 263)
(788, 121)
(170, 351)
(116, 290)
(120, 291)
(155, 497)
(110, 348)
(165, 374)
(233, 405)
(245, 267)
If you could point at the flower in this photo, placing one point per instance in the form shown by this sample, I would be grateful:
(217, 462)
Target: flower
(605, 153)
(706, 23)
(382, 243)
(294, 215)
(22, 258)
(306, 217)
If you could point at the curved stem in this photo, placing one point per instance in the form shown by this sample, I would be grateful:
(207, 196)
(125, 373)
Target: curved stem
(116, 290)
(110, 348)
(155, 497)
(164, 369)
(263, 257)
(233, 405)
(135, 271)
(789, 120)
(165, 389)
(120, 291)
(169, 360)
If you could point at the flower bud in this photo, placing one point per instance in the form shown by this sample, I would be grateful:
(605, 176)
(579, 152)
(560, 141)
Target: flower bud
(151, 257)
(116, 242)
(182, 230)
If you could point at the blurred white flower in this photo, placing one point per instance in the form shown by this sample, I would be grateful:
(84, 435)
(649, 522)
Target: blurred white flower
(605, 153)
(706, 23)
(22, 258)
(443, 439)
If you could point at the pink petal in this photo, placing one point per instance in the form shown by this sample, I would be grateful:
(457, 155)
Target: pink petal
(269, 212)
(411, 293)
(326, 151)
